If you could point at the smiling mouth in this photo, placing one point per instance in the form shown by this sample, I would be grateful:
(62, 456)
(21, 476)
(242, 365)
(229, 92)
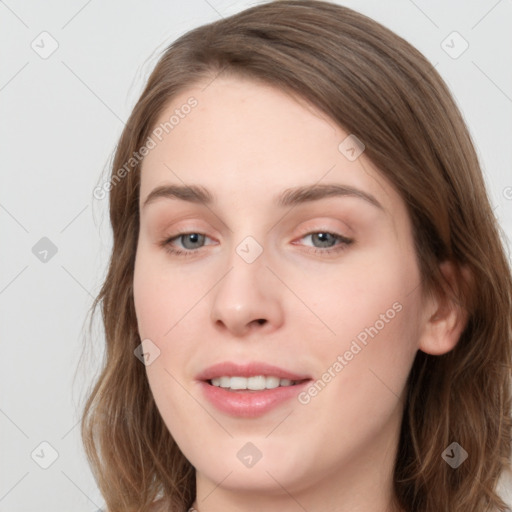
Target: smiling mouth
(255, 383)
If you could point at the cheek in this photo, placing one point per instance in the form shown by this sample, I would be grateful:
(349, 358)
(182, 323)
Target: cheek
(374, 313)
(161, 295)
(145, 297)
(160, 300)
(362, 386)
(361, 296)
(372, 310)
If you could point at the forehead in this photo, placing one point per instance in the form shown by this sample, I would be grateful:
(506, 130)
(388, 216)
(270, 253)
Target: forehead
(256, 139)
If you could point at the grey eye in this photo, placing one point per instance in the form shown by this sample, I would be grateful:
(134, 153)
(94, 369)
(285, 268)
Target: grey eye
(193, 238)
(326, 239)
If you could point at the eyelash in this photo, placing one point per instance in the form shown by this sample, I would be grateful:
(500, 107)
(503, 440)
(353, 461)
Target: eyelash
(345, 242)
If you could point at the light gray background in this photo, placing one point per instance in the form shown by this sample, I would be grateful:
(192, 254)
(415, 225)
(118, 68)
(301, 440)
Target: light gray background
(61, 118)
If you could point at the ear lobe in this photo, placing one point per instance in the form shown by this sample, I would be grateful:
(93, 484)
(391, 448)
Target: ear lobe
(445, 316)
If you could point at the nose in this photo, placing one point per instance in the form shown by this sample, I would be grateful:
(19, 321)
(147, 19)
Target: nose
(247, 299)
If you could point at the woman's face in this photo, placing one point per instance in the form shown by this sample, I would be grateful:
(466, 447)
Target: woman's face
(300, 266)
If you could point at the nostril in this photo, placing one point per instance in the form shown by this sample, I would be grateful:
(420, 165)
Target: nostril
(261, 321)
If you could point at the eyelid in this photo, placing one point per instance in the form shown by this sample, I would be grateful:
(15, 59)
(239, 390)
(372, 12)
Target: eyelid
(323, 226)
(318, 227)
(179, 234)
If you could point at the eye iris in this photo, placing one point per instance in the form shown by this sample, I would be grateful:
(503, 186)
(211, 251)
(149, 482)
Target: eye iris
(324, 235)
(193, 237)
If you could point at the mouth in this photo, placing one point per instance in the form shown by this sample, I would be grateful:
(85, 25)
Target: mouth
(252, 376)
(249, 390)
(254, 383)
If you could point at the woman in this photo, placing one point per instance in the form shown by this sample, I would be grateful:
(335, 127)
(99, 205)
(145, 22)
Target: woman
(308, 306)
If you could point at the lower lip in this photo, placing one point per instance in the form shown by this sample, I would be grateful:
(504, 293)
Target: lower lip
(249, 404)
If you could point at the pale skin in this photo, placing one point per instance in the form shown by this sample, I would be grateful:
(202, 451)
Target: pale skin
(246, 143)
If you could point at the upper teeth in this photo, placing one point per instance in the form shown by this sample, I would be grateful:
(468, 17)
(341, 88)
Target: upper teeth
(254, 383)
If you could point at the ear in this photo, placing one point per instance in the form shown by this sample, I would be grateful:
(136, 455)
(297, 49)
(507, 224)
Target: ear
(444, 316)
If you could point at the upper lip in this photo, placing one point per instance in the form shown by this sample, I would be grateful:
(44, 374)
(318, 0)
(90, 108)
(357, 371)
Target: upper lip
(250, 369)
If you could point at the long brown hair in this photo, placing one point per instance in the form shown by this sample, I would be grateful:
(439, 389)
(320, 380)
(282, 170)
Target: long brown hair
(378, 87)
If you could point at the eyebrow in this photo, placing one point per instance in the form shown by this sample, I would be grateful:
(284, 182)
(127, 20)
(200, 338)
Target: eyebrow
(289, 197)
